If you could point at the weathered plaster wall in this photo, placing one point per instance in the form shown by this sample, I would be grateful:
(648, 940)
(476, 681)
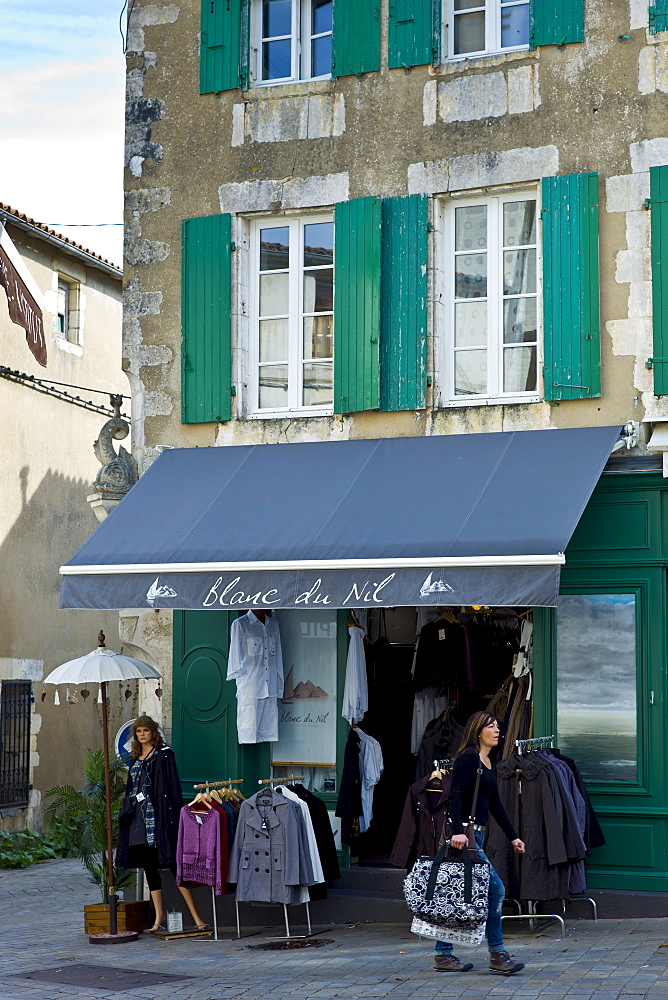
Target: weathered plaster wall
(47, 470)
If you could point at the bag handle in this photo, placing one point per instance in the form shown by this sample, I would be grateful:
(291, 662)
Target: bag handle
(465, 856)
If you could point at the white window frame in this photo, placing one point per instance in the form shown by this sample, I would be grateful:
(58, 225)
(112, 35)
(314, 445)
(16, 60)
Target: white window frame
(296, 359)
(492, 29)
(495, 394)
(300, 37)
(64, 288)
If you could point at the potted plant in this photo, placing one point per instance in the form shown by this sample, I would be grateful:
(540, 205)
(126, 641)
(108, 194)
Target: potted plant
(86, 809)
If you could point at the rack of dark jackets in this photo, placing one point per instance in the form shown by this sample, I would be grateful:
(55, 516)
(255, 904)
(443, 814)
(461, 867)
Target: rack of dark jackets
(545, 798)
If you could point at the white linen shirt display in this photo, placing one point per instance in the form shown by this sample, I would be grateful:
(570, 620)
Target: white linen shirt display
(255, 660)
(256, 664)
(356, 689)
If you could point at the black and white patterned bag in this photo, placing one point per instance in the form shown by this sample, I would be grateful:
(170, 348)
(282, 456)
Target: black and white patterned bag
(451, 894)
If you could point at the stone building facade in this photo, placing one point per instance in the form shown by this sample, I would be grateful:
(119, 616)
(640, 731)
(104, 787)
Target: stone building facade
(492, 179)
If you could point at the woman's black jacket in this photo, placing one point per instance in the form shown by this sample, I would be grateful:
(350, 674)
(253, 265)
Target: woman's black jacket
(167, 800)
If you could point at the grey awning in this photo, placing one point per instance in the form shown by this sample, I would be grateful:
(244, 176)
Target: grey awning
(458, 519)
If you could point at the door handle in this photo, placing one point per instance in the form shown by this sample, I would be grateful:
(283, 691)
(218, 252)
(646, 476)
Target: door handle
(651, 697)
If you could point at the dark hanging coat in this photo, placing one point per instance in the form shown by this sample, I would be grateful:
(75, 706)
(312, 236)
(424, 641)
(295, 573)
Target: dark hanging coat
(538, 815)
(421, 826)
(441, 741)
(167, 800)
(349, 801)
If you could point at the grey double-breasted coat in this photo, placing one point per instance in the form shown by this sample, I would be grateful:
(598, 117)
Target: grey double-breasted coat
(268, 864)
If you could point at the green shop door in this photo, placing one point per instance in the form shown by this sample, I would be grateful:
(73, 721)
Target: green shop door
(605, 693)
(204, 705)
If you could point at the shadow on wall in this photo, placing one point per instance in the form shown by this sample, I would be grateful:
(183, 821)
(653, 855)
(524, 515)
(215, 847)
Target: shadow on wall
(51, 526)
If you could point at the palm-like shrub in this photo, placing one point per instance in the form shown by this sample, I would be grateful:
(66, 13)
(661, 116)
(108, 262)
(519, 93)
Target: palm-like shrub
(87, 811)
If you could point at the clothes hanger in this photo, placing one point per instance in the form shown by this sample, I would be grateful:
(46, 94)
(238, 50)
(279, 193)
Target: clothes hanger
(446, 615)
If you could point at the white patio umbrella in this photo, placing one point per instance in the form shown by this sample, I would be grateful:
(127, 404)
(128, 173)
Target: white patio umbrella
(99, 667)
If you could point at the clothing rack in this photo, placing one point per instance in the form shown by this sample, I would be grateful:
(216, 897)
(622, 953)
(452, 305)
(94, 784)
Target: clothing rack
(207, 785)
(219, 784)
(536, 743)
(288, 936)
(538, 921)
(280, 781)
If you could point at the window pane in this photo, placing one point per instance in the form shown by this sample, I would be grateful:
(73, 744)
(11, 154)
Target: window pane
(471, 324)
(515, 25)
(318, 243)
(318, 384)
(596, 684)
(321, 56)
(468, 4)
(471, 227)
(276, 18)
(273, 387)
(322, 16)
(273, 340)
(519, 271)
(274, 248)
(469, 33)
(274, 294)
(276, 60)
(318, 291)
(519, 321)
(471, 276)
(519, 223)
(471, 373)
(318, 336)
(519, 369)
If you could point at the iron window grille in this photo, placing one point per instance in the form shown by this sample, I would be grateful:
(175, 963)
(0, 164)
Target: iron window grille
(15, 709)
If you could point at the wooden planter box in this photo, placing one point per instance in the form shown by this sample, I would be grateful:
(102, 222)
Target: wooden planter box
(130, 916)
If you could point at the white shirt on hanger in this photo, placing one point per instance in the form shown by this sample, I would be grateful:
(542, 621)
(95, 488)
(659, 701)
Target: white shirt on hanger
(371, 768)
(356, 690)
(255, 659)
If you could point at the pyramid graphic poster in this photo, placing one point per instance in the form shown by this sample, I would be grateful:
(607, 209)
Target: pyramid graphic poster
(307, 710)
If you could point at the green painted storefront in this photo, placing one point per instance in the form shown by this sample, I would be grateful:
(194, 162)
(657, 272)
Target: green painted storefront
(620, 548)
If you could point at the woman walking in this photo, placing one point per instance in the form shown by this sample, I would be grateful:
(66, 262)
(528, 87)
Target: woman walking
(472, 761)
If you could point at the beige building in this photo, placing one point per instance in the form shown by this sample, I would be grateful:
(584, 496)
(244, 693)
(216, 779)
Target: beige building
(50, 416)
(359, 220)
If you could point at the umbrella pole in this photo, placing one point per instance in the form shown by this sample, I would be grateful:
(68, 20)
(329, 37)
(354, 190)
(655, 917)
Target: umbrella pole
(107, 797)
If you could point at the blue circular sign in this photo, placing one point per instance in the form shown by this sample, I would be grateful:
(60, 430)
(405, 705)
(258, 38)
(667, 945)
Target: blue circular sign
(123, 741)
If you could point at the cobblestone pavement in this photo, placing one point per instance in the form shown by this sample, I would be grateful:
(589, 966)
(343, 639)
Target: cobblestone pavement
(41, 928)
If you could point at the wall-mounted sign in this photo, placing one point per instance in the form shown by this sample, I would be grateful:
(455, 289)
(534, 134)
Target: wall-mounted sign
(24, 308)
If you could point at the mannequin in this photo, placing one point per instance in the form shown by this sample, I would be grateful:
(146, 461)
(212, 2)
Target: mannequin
(149, 818)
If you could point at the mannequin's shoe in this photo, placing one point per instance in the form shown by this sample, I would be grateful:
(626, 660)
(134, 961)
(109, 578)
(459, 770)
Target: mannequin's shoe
(501, 963)
(450, 963)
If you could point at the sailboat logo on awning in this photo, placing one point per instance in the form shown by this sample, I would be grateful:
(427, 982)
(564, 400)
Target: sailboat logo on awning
(156, 590)
(430, 587)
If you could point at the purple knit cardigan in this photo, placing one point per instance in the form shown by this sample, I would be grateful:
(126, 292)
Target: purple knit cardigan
(198, 849)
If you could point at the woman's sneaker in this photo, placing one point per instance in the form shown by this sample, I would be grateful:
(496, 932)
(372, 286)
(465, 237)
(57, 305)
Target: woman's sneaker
(501, 963)
(450, 963)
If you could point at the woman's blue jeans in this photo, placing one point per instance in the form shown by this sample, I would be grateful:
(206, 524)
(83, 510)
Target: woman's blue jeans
(497, 891)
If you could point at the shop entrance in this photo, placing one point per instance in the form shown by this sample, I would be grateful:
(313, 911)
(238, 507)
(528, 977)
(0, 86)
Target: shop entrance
(428, 669)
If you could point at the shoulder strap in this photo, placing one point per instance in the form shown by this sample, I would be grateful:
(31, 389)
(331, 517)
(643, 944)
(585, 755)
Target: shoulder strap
(474, 800)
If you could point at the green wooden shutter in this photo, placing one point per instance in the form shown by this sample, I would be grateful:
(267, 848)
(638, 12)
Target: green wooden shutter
(556, 22)
(206, 367)
(356, 37)
(658, 16)
(658, 181)
(357, 253)
(403, 339)
(411, 33)
(220, 45)
(572, 340)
